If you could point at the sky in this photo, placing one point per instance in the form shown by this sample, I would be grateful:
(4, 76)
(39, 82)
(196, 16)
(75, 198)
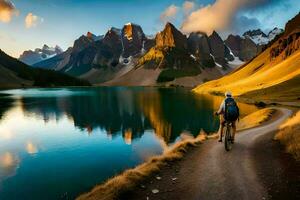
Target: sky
(29, 24)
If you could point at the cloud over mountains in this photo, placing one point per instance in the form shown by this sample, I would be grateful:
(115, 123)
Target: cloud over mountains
(228, 15)
(7, 11)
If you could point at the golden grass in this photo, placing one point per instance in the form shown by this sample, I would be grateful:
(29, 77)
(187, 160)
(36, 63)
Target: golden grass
(259, 74)
(130, 179)
(255, 119)
(289, 135)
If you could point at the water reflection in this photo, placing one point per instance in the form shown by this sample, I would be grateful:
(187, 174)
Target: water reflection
(5, 103)
(129, 111)
(68, 140)
(8, 165)
(31, 148)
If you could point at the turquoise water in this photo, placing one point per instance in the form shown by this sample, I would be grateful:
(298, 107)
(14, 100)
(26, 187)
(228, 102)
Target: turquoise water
(58, 143)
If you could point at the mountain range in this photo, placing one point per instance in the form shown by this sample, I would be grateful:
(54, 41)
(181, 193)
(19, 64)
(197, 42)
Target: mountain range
(128, 56)
(39, 54)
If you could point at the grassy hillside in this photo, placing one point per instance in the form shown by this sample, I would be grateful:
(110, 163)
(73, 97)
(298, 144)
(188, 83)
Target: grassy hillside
(260, 74)
(14, 73)
(272, 75)
(289, 135)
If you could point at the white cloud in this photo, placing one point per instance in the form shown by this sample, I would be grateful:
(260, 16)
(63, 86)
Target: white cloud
(188, 6)
(7, 11)
(32, 20)
(217, 16)
(169, 14)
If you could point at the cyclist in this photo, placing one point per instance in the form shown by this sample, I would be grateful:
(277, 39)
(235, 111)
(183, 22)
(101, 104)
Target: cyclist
(228, 111)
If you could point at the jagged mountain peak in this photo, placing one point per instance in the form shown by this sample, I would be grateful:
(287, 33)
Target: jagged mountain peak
(45, 46)
(58, 48)
(273, 33)
(90, 35)
(112, 34)
(132, 31)
(131, 24)
(114, 30)
(82, 42)
(171, 37)
(93, 37)
(133, 40)
(169, 24)
(256, 32)
(260, 38)
(257, 36)
(214, 33)
(31, 57)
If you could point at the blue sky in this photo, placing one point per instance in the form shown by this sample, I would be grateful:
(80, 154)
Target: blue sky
(62, 21)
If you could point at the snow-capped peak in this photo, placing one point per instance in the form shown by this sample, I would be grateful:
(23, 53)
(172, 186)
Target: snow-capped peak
(260, 38)
(31, 57)
(273, 33)
(257, 36)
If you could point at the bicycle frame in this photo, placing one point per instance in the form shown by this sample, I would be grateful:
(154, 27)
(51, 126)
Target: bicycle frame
(228, 136)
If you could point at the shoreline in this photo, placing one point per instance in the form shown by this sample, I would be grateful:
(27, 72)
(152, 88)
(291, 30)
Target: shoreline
(133, 178)
(205, 170)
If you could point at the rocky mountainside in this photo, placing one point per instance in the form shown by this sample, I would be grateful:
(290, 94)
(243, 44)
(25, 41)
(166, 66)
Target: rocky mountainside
(243, 48)
(251, 43)
(134, 41)
(39, 54)
(257, 36)
(170, 51)
(289, 42)
(174, 56)
(273, 75)
(219, 50)
(260, 38)
(56, 63)
(99, 58)
(199, 48)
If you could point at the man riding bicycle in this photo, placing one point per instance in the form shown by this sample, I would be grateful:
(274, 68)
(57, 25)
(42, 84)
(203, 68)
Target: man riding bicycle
(229, 112)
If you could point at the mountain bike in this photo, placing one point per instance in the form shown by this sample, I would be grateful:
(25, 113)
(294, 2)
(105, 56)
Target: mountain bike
(228, 140)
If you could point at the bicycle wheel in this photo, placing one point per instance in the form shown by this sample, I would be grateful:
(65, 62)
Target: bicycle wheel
(228, 143)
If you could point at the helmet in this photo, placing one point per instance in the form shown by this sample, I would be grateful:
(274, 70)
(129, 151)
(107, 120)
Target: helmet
(228, 94)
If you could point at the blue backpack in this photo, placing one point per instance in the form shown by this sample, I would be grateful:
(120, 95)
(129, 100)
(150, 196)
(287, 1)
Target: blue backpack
(231, 110)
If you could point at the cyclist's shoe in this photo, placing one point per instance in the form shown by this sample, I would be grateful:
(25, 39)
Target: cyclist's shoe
(220, 140)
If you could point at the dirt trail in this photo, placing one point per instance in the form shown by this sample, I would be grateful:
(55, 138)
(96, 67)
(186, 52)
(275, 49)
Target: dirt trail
(209, 172)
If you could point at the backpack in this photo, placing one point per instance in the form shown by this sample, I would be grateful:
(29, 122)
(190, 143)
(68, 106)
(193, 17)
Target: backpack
(231, 110)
